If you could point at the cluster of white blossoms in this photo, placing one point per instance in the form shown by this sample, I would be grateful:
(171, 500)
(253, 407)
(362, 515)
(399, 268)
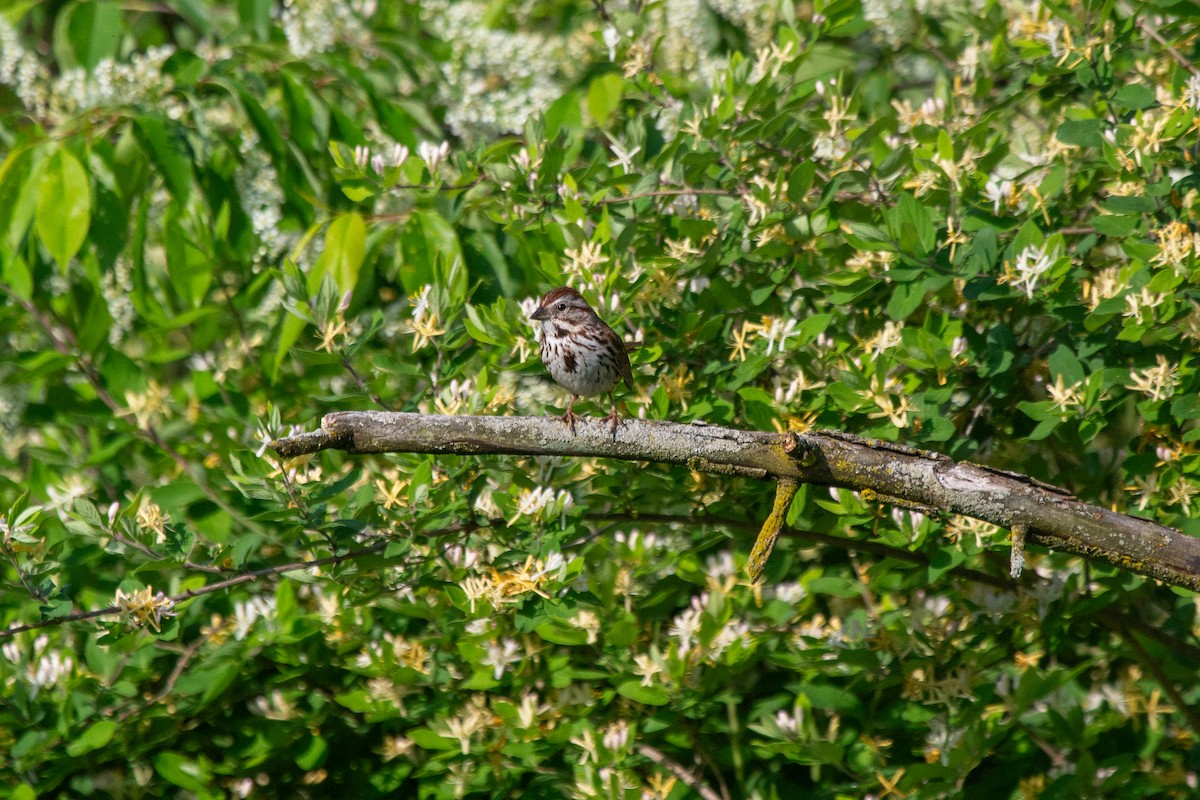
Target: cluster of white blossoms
(22, 70)
(315, 26)
(756, 17)
(1029, 267)
(44, 667)
(895, 22)
(247, 612)
(74, 91)
(688, 37)
(262, 198)
(496, 78)
(117, 287)
(13, 399)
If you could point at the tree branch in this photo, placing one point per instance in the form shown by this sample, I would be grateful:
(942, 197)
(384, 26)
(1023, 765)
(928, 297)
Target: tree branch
(689, 778)
(1051, 516)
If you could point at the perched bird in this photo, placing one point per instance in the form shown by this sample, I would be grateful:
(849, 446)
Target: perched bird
(582, 354)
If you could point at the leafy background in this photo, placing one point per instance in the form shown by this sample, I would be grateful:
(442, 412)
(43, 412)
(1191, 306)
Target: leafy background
(967, 226)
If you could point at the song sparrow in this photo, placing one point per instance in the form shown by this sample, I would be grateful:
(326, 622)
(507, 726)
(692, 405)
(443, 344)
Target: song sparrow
(582, 354)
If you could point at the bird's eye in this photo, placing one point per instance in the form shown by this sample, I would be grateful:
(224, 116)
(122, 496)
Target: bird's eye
(562, 306)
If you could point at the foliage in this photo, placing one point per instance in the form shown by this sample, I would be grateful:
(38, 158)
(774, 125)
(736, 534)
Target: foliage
(968, 226)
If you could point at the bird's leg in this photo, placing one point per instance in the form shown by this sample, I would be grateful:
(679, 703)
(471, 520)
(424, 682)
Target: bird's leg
(612, 416)
(571, 416)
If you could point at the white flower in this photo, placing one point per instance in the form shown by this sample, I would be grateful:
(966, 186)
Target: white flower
(789, 592)
(684, 629)
(777, 332)
(647, 667)
(998, 191)
(623, 158)
(50, 669)
(611, 37)
(362, 155)
(247, 612)
(1157, 382)
(433, 154)
(616, 736)
(788, 724)
(1030, 265)
(1191, 92)
(500, 655)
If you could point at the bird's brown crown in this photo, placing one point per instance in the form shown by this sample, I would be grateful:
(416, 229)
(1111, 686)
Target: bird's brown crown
(561, 293)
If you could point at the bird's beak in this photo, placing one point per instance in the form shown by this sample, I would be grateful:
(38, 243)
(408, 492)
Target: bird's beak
(540, 314)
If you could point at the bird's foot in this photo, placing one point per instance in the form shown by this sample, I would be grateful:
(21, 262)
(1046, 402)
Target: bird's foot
(570, 417)
(614, 421)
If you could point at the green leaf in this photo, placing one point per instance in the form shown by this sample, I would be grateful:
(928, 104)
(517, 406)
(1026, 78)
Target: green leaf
(564, 113)
(313, 754)
(906, 299)
(1135, 97)
(182, 771)
(18, 200)
(87, 32)
(188, 266)
(813, 326)
(1044, 429)
(836, 586)
(945, 147)
(428, 240)
(561, 632)
(801, 181)
(1000, 353)
(97, 735)
(1129, 204)
(604, 95)
(1114, 225)
(168, 150)
(345, 249)
(943, 560)
(758, 407)
(1081, 132)
(64, 207)
(427, 739)
(911, 226)
(646, 695)
(824, 59)
(477, 328)
(1063, 362)
(299, 106)
(1030, 235)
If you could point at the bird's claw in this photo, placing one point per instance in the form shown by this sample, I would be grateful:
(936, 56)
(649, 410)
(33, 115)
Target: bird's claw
(613, 422)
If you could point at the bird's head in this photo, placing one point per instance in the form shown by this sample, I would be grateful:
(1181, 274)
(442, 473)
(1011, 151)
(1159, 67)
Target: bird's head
(561, 303)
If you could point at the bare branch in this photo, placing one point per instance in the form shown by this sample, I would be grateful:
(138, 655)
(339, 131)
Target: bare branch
(689, 778)
(1051, 516)
(244, 577)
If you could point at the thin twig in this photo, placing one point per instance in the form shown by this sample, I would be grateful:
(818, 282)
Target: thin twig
(69, 346)
(375, 398)
(690, 778)
(608, 201)
(168, 686)
(1168, 686)
(245, 577)
(133, 544)
(1179, 57)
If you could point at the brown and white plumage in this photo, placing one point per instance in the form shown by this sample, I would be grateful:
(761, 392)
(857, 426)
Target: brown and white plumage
(582, 354)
